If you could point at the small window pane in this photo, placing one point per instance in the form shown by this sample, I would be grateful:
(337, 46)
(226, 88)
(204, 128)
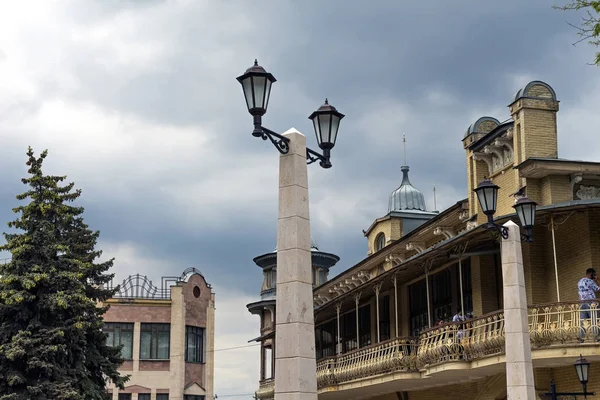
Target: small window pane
(162, 396)
(194, 342)
(124, 396)
(155, 341)
(144, 396)
(120, 334)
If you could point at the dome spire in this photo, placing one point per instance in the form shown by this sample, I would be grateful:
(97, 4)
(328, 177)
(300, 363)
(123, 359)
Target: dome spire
(406, 197)
(404, 144)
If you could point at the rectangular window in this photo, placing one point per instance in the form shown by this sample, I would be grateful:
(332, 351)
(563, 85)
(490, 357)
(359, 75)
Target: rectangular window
(144, 396)
(384, 318)
(194, 344)
(155, 341)
(348, 322)
(120, 334)
(325, 339)
(417, 293)
(162, 396)
(466, 286)
(364, 325)
(192, 397)
(124, 396)
(441, 293)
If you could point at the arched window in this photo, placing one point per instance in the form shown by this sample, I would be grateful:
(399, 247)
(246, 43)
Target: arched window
(380, 242)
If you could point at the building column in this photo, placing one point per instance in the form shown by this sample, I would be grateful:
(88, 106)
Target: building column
(338, 342)
(356, 301)
(177, 344)
(262, 361)
(377, 289)
(519, 366)
(429, 324)
(395, 282)
(137, 335)
(295, 361)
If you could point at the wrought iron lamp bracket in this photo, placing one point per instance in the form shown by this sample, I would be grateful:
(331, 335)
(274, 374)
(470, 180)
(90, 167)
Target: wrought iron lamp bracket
(554, 395)
(525, 237)
(313, 156)
(282, 144)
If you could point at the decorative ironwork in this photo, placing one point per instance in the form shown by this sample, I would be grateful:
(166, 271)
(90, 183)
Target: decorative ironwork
(390, 356)
(141, 287)
(281, 143)
(564, 323)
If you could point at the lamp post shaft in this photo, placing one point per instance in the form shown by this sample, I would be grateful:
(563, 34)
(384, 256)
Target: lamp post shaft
(519, 366)
(295, 364)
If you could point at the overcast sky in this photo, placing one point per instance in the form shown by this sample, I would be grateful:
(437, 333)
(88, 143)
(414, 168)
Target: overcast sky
(137, 103)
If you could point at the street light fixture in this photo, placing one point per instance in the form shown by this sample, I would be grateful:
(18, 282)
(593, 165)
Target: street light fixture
(256, 83)
(583, 369)
(487, 194)
(294, 328)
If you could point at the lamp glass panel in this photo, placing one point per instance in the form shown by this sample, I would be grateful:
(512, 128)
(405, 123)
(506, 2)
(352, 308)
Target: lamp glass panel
(268, 93)
(335, 124)
(259, 83)
(325, 125)
(317, 128)
(247, 86)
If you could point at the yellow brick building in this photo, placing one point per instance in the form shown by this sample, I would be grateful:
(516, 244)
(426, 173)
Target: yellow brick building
(384, 327)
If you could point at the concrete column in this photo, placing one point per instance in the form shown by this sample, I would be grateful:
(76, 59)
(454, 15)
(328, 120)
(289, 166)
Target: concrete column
(209, 347)
(137, 333)
(295, 364)
(519, 367)
(177, 345)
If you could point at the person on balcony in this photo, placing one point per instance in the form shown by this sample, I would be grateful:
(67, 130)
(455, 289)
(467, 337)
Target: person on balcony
(587, 287)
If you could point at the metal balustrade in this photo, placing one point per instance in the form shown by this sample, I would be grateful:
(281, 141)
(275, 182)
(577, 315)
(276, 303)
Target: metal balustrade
(550, 325)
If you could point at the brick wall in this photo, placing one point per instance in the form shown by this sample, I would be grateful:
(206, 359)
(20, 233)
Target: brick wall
(135, 312)
(195, 308)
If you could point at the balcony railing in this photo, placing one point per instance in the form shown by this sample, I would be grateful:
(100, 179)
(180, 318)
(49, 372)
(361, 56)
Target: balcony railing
(553, 324)
(469, 340)
(390, 356)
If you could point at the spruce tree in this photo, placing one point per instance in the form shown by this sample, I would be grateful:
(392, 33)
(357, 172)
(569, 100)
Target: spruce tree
(51, 342)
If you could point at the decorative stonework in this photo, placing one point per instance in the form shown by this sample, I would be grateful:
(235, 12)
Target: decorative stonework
(348, 284)
(588, 193)
(498, 153)
(464, 215)
(395, 258)
(419, 247)
(447, 231)
(471, 225)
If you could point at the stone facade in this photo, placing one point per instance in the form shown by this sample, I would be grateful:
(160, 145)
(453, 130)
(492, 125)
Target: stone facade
(186, 301)
(376, 324)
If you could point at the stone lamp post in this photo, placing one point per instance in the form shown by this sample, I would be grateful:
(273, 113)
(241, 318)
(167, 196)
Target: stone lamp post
(295, 363)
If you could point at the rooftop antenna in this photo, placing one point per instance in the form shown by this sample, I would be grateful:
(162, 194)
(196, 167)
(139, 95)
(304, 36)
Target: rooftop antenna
(404, 144)
(434, 200)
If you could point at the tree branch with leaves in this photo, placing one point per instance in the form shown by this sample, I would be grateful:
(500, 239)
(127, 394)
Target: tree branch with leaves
(589, 27)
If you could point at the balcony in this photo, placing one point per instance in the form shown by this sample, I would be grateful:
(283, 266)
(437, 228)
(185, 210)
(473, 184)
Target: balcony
(385, 357)
(442, 354)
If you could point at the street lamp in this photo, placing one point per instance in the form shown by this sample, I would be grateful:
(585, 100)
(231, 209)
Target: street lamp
(487, 194)
(582, 367)
(256, 83)
(295, 364)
